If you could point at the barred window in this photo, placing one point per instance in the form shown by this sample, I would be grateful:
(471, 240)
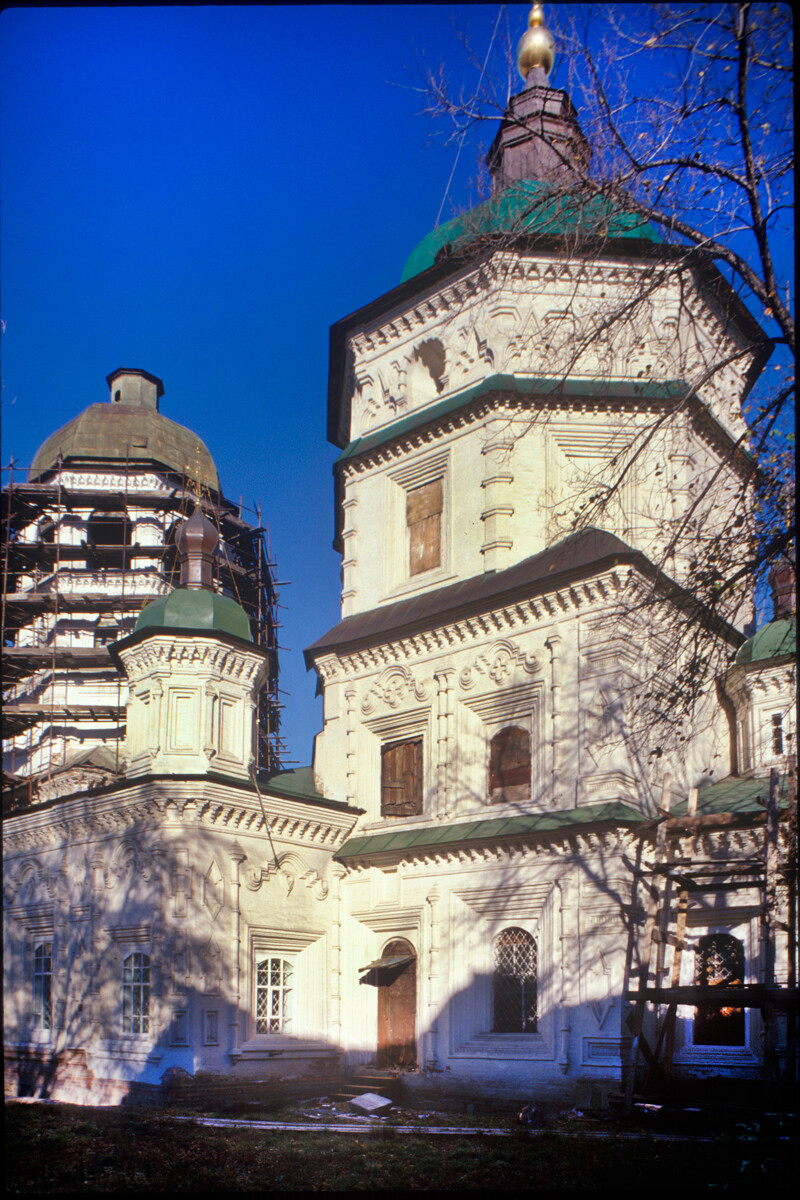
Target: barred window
(42, 986)
(719, 963)
(136, 993)
(515, 982)
(273, 993)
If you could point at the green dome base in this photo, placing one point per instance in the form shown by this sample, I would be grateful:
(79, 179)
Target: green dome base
(776, 639)
(534, 208)
(189, 608)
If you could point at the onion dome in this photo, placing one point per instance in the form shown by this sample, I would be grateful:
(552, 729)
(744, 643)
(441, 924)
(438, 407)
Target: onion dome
(778, 638)
(536, 48)
(129, 430)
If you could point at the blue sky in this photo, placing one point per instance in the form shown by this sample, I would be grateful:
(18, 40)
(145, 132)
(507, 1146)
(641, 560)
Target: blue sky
(201, 192)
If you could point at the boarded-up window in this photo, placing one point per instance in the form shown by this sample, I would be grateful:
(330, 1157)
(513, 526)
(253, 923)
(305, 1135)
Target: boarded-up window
(401, 779)
(510, 765)
(424, 520)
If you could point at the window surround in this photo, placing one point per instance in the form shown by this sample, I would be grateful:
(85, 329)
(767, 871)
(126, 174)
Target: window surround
(534, 909)
(397, 727)
(522, 706)
(289, 945)
(399, 580)
(743, 924)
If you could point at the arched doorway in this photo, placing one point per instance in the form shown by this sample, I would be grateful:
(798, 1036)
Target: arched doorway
(397, 1005)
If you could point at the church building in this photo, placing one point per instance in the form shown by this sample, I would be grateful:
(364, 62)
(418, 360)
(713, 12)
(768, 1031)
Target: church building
(460, 887)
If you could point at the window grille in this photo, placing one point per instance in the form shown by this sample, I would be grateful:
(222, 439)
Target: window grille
(719, 963)
(42, 986)
(515, 982)
(273, 991)
(136, 994)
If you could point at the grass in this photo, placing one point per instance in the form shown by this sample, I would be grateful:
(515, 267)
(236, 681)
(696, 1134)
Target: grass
(64, 1148)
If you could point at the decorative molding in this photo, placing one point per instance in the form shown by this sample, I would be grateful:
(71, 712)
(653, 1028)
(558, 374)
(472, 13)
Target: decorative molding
(510, 902)
(394, 685)
(499, 663)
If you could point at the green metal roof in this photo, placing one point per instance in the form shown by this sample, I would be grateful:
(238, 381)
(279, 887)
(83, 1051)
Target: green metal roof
(490, 829)
(128, 433)
(731, 795)
(529, 207)
(621, 389)
(776, 639)
(190, 608)
(299, 782)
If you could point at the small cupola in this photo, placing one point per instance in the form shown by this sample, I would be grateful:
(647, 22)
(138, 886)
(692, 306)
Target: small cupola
(136, 388)
(196, 542)
(783, 582)
(539, 137)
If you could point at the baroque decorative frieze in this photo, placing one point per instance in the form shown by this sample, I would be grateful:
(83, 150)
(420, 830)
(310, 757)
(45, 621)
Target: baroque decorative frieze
(498, 664)
(394, 685)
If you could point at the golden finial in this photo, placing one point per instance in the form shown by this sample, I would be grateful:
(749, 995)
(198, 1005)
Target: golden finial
(536, 46)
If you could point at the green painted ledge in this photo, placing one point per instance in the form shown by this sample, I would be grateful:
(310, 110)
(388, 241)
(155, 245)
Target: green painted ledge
(623, 389)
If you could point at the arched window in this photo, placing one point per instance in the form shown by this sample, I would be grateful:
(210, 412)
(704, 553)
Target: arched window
(42, 986)
(510, 765)
(515, 982)
(719, 963)
(136, 994)
(273, 992)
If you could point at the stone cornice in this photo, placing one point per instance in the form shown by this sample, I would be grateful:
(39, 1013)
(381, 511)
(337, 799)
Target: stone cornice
(209, 651)
(517, 617)
(154, 803)
(555, 846)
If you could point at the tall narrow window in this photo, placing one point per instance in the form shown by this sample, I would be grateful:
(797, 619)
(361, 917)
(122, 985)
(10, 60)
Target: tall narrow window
(273, 992)
(777, 733)
(42, 986)
(515, 982)
(136, 994)
(719, 963)
(424, 521)
(401, 779)
(510, 765)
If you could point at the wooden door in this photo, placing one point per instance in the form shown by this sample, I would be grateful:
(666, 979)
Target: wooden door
(397, 1007)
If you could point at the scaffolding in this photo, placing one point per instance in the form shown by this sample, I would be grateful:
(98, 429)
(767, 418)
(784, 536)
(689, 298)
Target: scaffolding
(670, 882)
(54, 585)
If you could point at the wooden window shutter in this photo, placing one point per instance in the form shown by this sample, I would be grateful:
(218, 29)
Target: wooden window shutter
(510, 764)
(424, 521)
(401, 779)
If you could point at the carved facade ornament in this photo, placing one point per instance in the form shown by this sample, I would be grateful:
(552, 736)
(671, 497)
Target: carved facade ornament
(213, 890)
(498, 664)
(393, 686)
(287, 872)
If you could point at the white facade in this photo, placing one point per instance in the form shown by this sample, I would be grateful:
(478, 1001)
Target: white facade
(453, 887)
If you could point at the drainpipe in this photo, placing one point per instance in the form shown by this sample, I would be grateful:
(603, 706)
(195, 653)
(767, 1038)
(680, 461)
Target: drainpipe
(238, 855)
